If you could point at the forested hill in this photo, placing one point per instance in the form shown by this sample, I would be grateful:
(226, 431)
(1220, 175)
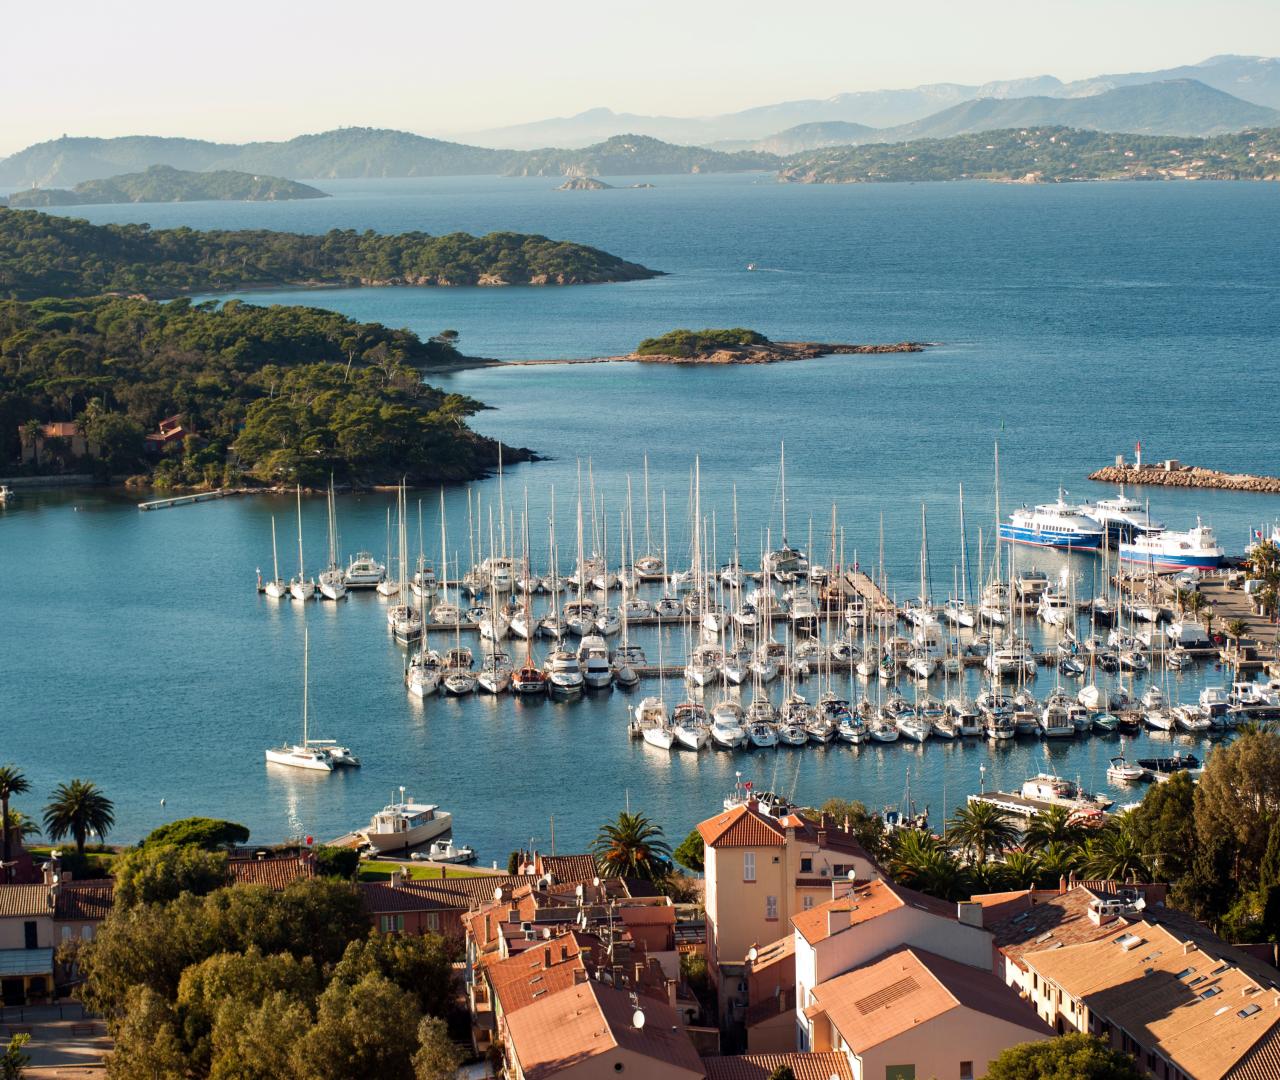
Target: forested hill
(272, 394)
(162, 183)
(1046, 155)
(49, 255)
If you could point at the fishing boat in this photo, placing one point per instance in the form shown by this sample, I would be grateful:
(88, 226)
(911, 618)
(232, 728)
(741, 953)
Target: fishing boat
(1054, 525)
(406, 824)
(306, 754)
(301, 587)
(1196, 549)
(277, 588)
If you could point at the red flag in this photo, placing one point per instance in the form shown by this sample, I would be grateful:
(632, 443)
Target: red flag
(747, 785)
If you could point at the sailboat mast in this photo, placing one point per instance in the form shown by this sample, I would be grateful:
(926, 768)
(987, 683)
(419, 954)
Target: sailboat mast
(648, 540)
(275, 561)
(301, 571)
(306, 672)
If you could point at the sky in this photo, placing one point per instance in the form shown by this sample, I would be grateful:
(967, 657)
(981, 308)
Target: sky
(271, 69)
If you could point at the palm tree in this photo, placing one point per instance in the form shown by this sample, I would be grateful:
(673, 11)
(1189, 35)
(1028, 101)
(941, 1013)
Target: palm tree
(1054, 825)
(921, 862)
(1022, 869)
(1235, 630)
(981, 828)
(77, 809)
(632, 846)
(12, 783)
(1059, 859)
(1194, 602)
(21, 826)
(1115, 854)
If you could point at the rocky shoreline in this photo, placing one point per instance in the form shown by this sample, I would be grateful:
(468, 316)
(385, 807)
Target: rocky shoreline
(773, 352)
(1187, 476)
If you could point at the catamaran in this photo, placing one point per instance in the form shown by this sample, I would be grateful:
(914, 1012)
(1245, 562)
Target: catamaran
(315, 754)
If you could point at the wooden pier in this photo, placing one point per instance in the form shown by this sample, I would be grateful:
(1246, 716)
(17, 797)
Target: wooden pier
(861, 583)
(184, 500)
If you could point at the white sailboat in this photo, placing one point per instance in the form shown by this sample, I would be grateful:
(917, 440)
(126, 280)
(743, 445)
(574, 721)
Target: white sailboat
(333, 578)
(388, 586)
(303, 755)
(300, 586)
(277, 588)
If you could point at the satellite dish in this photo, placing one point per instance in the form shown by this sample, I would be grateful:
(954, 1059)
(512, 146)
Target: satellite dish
(753, 954)
(497, 892)
(637, 1019)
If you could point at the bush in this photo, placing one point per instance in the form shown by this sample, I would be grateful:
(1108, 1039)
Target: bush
(208, 833)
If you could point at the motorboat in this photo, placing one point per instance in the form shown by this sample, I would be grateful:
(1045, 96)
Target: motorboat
(1121, 771)
(593, 659)
(1030, 583)
(1186, 632)
(1071, 667)
(1055, 719)
(406, 824)
(964, 715)
(1051, 788)
(1196, 549)
(1193, 719)
(445, 851)
(1054, 525)
(564, 674)
(364, 572)
(1104, 723)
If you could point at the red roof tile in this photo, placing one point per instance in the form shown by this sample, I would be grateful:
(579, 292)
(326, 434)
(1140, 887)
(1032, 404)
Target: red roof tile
(761, 1066)
(274, 873)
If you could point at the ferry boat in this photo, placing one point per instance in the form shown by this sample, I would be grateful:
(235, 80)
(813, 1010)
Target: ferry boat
(406, 824)
(1053, 525)
(1122, 518)
(1196, 549)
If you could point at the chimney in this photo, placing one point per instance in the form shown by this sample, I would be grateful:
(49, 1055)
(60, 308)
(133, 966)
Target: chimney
(822, 839)
(397, 877)
(824, 819)
(837, 919)
(1187, 946)
(444, 871)
(1062, 883)
(671, 992)
(969, 914)
(579, 975)
(546, 957)
(49, 871)
(564, 952)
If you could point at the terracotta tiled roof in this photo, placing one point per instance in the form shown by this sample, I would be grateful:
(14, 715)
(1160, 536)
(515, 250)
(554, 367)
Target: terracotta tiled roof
(774, 952)
(589, 1021)
(899, 991)
(527, 977)
(1262, 1062)
(865, 902)
(274, 873)
(743, 826)
(382, 898)
(761, 1066)
(568, 867)
(17, 901)
(85, 901)
(1194, 1007)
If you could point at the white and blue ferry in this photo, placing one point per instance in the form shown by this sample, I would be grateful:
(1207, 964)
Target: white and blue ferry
(1054, 525)
(1195, 549)
(1123, 518)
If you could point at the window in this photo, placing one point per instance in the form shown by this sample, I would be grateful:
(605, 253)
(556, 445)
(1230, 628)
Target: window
(749, 866)
(392, 924)
(433, 922)
(66, 933)
(966, 1070)
(770, 907)
(900, 1072)
(806, 903)
(31, 938)
(86, 932)
(806, 864)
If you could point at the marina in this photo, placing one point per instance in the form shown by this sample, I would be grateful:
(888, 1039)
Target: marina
(190, 651)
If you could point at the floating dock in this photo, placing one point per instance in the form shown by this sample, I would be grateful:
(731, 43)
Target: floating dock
(183, 500)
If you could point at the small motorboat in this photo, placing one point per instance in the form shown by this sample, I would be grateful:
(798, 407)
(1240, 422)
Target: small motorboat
(1124, 772)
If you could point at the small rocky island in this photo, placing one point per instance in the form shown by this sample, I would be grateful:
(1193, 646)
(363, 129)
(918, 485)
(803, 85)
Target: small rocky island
(584, 183)
(162, 183)
(733, 346)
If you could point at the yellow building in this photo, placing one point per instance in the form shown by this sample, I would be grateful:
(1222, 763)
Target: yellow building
(762, 867)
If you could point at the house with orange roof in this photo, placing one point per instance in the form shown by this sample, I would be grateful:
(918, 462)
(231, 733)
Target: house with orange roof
(764, 864)
(867, 919)
(590, 1031)
(911, 1014)
(1186, 1005)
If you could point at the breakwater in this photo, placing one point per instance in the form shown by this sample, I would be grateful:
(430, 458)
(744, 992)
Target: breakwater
(1177, 475)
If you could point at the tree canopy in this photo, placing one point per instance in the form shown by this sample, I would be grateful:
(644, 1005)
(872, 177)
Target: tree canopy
(209, 833)
(1067, 1057)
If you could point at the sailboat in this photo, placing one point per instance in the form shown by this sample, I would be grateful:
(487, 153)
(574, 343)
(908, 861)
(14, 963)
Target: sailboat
(277, 588)
(529, 679)
(651, 718)
(786, 562)
(300, 586)
(405, 618)
(333, 578)
(649, 564)
(306, 754)
(424, 582)
(388, 586)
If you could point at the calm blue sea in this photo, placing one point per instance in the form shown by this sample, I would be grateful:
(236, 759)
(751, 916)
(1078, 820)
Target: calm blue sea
(1072, 321)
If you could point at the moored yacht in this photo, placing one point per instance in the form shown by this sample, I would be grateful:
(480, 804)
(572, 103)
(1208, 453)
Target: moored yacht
(364, 572)
(401, 825)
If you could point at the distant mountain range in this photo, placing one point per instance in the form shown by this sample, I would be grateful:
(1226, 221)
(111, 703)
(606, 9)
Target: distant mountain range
(163, 183)
(1254, 79)
(1152, 103)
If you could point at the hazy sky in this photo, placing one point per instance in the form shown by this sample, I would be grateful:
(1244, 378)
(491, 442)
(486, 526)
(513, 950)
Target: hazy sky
(235, 70)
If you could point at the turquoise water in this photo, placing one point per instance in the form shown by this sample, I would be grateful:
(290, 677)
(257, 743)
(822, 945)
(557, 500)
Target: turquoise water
(1073, 321)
